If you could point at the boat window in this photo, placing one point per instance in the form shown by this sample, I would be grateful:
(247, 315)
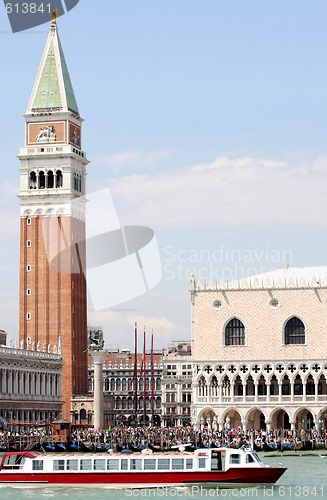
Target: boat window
(86, 464)
(113, 464)
(249, 458)
(59, 465)
(201, 463)
(124, 464)
(99, 464)
(136, 464)
(235, 458)
(189, 463)
(72, 464)
(150, 464)
(10, 460)
(37, 465)
(163, 463)
(14, 461)
(178, 463)
(256, 456)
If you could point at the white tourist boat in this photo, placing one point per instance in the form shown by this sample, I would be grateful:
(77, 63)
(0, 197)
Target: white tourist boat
(221, 466)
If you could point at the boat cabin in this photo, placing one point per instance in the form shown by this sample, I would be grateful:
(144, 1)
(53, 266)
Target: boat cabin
(206, 459)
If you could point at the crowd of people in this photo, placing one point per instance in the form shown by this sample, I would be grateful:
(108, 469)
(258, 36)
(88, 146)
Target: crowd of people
(165, 438)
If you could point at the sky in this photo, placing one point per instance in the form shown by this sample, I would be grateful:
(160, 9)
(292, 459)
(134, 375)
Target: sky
(205, 119)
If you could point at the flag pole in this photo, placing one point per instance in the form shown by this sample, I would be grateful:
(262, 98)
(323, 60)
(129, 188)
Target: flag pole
(144, 378)
(152, 379)
(135, 373)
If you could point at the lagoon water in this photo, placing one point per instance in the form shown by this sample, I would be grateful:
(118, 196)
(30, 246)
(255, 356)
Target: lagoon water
(306, 478)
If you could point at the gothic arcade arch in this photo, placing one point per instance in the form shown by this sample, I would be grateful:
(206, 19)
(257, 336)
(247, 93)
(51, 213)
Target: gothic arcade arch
(280, 418)
(256, 419)
(207, 418)
(303, 418)
(231, 418)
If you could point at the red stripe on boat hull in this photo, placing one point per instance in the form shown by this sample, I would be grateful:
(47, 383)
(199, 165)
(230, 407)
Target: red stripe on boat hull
(253, 475)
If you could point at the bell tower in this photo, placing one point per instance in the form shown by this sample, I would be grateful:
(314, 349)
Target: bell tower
(53, 298)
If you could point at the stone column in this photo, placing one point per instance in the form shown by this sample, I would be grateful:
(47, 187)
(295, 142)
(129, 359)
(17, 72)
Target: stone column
(244, 392)
(220, 392)
(97, 356)
(280, 391)
(231, 393)
(316, 423)
(304, 395)
(268, 392)
(256, 385)
(316, 391)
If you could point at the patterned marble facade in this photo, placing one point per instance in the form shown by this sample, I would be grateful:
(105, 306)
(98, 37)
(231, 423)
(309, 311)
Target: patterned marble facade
(259, 351)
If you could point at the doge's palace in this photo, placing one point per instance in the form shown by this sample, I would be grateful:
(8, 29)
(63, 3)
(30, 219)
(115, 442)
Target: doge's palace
(259, 351)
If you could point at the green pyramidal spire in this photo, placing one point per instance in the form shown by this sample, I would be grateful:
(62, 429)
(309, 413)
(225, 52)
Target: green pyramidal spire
(53, 90)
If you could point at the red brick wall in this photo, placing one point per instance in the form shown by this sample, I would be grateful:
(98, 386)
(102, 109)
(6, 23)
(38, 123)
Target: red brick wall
(58, 300)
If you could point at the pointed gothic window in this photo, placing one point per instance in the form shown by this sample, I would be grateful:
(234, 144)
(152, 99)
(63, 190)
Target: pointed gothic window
(294, 331)
(235, 332)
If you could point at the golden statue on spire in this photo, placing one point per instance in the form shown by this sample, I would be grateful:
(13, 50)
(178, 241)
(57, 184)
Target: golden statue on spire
(55, 15)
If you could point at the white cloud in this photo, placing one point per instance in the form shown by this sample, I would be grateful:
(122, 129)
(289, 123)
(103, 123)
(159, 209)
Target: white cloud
(133, 159)
(232, 191)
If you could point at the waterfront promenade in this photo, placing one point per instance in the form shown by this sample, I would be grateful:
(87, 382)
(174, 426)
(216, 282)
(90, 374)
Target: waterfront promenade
(119, 438)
